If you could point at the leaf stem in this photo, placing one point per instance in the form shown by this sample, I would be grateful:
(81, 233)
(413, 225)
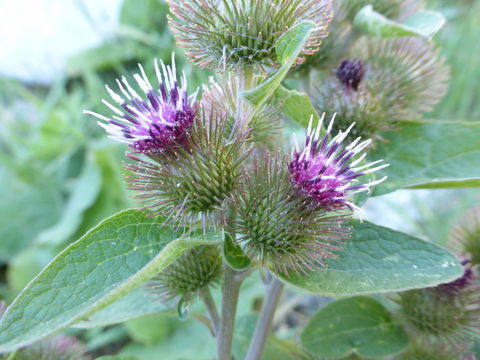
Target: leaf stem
(207, 298)
(265, 320)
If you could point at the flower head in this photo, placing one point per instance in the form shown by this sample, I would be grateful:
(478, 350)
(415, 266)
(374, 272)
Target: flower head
(191, 184)
(222, 34)
(324, 171)
(154, 123)
(350, 72)
(465, 238)
(187, 276)
(449, 312)
(408, 73)
(280, 228)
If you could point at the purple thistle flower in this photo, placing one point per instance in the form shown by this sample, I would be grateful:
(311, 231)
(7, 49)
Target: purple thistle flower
(324, 172)
(157, 123)
(351, 72)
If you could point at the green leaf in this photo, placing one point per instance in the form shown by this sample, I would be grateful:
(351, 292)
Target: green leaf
(359, 325)
(425, 23)
(234, 256)
(108, 262)
(275, 349)
(297, 106)
(151, 329)
(430, 154)
(137, 303)
(287, 48)
(83, 195)
(378, 260)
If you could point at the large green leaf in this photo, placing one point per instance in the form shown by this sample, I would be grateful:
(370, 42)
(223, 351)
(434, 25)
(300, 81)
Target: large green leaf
(297, 106)
(138, 302)
(378, 260)
(287, 48)
(425, 23)
(112, 259)
(358, 325)
(430, 154)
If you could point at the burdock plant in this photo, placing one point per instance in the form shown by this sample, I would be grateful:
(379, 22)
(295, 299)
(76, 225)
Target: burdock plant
(225, 189)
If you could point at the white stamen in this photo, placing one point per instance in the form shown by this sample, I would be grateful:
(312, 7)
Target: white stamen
(122, 89)
(331, 123)
(376, 169)
(144, 76)
(143, 85)
(365, 166)
(129, 88)
(353, 144)
(157, 71)
(353, 163)
(361, 146)
(117, 98)
(113, 108)
(98, 116)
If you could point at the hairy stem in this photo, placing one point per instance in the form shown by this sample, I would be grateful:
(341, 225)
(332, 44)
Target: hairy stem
(231, 291)
(207, 298)
(264, 322)
(230, 294)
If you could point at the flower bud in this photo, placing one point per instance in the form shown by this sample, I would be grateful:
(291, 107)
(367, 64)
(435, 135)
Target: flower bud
(225, 34)
(191, 184)
(263, 122)
(333, 47)
(399, 80)
(449, 312)
(430, 350)
(279, 227)
(187, 276)
(465, 238)
(407, 73)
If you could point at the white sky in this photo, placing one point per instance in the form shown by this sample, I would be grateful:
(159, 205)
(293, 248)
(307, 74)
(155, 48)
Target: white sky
(37, 36)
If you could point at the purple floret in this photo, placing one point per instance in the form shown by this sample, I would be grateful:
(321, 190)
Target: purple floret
(324, 171)
(157, 122)
(351, 72)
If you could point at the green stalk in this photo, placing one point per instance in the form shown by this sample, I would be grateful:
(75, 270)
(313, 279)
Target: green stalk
(230, 294)
(265, 320)
(207, 298)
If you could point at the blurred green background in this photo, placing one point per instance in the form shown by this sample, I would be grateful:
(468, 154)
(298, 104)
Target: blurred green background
(60, 175)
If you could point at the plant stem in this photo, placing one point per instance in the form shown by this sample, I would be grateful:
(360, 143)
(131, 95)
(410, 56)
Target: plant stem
(231, 291)
(264, 322)
(207, 298)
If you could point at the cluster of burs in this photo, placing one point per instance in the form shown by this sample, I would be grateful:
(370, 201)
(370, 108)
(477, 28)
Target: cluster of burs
(213, 159)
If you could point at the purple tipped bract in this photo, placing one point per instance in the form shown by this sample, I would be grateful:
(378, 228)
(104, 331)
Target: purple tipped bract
(325, 171)
(158, 121)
